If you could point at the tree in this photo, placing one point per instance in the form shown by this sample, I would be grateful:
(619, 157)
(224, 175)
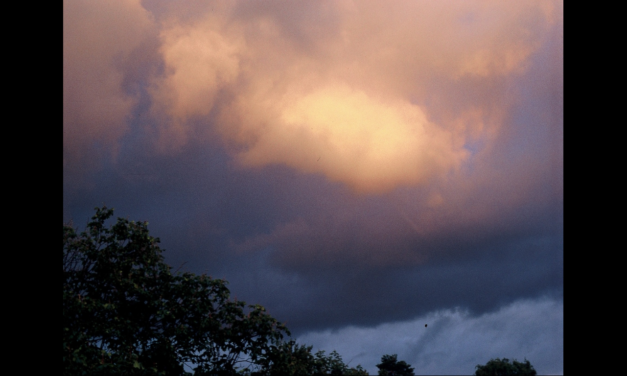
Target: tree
(502, 367)
(125, 312)
(390, 366)
(297, 360)
(334, 365)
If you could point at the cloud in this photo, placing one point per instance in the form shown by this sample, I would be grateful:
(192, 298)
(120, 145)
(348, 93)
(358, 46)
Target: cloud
(331, 159)
(454, 341)
(98, 39)
(352, 137)
(200, 60)
(372, 96)
(411, 105)
(412, 226)
(366, 95)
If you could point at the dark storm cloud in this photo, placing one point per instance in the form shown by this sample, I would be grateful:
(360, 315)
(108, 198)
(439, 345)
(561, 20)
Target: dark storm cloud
(337, 266)
(345, 295)
(345, 261)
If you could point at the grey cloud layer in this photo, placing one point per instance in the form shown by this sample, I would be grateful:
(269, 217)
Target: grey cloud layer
(454, 342)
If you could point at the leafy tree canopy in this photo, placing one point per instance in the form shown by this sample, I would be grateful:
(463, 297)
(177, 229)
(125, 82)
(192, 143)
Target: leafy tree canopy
(125, 312)
(390, 366)
(292, 359)
(502, 367)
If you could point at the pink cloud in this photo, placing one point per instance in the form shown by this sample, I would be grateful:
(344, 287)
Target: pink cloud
(350, 101)
(97, 38)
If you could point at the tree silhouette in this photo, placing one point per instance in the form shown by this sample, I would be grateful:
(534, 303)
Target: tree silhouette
(291, 359)
(502, 367)
(125, 312)
(390, 366)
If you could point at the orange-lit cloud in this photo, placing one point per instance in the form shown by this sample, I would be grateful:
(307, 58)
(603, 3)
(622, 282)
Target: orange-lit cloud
(371, 94)
(201, 59)
(349, 100)
(98, 36)
(372, 144)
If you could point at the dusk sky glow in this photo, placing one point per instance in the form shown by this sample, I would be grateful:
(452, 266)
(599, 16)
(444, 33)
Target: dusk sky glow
(359, 168)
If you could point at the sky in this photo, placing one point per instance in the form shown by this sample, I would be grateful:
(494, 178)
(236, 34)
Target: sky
(359, 168)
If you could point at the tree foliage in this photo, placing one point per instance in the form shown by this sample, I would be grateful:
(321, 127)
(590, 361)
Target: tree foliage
(297, 360)
(125, 312)
(502, 367)
(390, 366)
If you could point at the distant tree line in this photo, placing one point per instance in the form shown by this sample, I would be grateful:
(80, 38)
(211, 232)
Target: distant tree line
(502, 367)
(126, 312)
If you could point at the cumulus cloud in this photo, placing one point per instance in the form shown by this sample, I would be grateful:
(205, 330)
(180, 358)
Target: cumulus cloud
(409, 102)
(369, 94)
(347, 96)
